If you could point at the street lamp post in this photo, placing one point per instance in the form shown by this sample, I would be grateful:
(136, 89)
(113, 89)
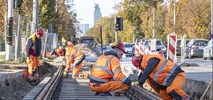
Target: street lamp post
(35, 16)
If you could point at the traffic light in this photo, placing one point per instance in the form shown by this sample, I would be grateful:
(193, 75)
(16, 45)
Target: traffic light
(119, 24)
(17, 4)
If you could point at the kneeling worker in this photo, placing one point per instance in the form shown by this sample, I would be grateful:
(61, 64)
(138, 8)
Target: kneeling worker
(106, 77)
(164, 76)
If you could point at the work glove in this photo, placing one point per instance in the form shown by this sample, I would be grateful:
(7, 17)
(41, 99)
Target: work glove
(28, 60)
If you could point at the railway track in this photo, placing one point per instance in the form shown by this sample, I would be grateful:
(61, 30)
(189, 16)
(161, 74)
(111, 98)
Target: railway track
(59, 88)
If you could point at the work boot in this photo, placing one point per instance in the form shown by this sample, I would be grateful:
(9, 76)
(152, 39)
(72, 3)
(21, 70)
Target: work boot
(33, 77)
(103, 94)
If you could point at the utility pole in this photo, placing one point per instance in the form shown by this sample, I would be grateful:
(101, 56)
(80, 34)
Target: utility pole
(17, 39)
(10, 31)
(116, 34)
(35, 16)
(153, 22)
(211, 19)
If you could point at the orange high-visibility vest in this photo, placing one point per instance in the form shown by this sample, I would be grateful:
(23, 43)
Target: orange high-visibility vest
(107, 68)
(164, 72)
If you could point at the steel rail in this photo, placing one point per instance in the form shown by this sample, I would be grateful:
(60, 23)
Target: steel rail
(52, 89)
(138, 93)
(48, 90)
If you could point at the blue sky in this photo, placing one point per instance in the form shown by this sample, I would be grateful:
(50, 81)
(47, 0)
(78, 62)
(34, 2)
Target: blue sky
(85, 9)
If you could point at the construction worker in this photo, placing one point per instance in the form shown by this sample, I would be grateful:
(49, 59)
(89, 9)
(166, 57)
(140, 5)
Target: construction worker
(106, 77)
(60, 51)
(74, 58)
(33, 51)
(164, 76)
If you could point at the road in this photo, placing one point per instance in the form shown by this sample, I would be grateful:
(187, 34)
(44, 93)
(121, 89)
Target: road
(198, 61)
(202, 72)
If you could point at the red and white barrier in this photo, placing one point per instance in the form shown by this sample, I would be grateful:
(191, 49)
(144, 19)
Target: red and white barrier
(146, 50)
(171, 47)
(139, 48)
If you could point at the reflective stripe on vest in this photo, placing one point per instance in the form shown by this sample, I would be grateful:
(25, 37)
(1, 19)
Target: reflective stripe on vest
(112, 93)
(75, 54)
(160, 70)
(98, 79)
(169, 74)
(117, 70)
(124, 79)
(105, 68)
(120, 91)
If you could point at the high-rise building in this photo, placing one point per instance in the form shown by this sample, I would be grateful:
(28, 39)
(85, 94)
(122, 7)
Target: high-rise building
(82, 29)
(97, 13)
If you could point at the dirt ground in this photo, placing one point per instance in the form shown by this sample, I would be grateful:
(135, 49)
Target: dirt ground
(18, 88)
(14, 89)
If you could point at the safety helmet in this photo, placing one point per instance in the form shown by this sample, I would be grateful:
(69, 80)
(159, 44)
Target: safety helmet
(118, 45)
(70, 44)
(39, 32)
(137, 59)
(60, 51)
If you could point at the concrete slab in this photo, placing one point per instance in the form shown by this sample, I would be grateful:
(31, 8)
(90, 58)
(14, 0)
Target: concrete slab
(9, 74)
(9, 71)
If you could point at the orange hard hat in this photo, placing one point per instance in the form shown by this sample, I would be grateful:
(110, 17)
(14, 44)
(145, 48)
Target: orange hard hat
(136, 60)
(40, 32)
(118, 45)
(60, 51)
(70, 44)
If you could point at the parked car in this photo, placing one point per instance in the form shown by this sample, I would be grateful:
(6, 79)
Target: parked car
(195, 48)
(105, 48)
(207, 51)
(159, 46)
(178, 48)
(128, 48)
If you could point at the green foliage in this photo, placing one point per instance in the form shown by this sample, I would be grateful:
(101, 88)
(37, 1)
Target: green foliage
(108, 38)
(132, 14)
(192, 19)
(47, 14)
(139, 33)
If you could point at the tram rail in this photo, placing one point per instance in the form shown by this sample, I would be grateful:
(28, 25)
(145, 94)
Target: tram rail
(50, 88)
